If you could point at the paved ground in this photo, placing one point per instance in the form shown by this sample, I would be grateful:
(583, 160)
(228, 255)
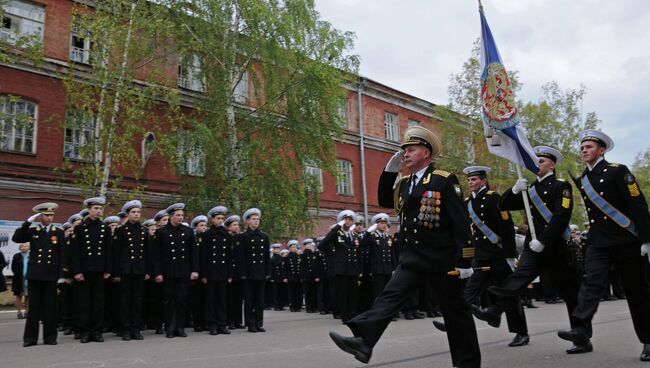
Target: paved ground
(301, 340)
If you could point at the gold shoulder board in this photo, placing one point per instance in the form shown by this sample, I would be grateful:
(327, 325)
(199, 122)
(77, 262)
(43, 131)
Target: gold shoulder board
(442, 173)
(490, 192)
(614, 164)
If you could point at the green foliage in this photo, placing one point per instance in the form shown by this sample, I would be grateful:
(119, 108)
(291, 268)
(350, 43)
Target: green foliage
(641, 170)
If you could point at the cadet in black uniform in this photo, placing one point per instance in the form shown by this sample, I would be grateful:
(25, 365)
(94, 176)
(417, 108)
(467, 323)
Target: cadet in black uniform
(434, 230)
(277, 277)
(91, 265)
(132, 241)
(292, 276)
(551, 205)
(257, 268)
(235, 291)
(177, 263)
(380, 249)
(322, 289)
(44, 268)
(153, 306)
(309, 275)
(620, 226)
(215, 271)
(112, 285)
(197, 289)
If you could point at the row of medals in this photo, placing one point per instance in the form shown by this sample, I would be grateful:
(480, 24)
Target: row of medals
(430, 210)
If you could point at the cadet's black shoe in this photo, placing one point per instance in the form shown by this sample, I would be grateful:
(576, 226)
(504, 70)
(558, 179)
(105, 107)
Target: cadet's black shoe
(252, 329)
(98, 338)
(519, 340)
(77, 336)
(489, 315)
(50, 342)
(169, 335)
(29, 343)
(499, 291)
(409, 316)
(322, 313)
(580, 348)
(576, 335)
(126, 336)
(223, 330)
(440, 326)
(418, 315)
(239, 327)
(214, 332)
(67, 332)
(353, 345)
(137, 336)
(159, 331)
(84, 339)
(261, 329)
(645, 354)
(181, 333)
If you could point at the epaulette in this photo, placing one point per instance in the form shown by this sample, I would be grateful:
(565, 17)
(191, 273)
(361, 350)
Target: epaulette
(442, 173)
(614, 164)
(561, 180)
(489, 192)
(466, 199)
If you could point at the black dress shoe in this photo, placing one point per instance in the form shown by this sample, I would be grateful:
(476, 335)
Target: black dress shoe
(126, 337)
(29, 343)
(77, 336)
(159, 331)
(261, 329)
(645, 354)
(137, 336)
(169, 335)
(489, 315)
(440, 326)
(98, 338)
(409, 316)
(519, 340)
(223, 330)
(252, 329)
(580, 348)
(430, 314)
(84, 339)
(50, 342)
(67, 332)
(198, 329)
(353, 345)
(418, 315)
(181, 333)
(578, 336)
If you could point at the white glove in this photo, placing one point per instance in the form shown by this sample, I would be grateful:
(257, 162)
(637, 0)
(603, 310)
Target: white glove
(520, 186)
(341, 223)
(511, 263)
(394, 163)
(352, 228)
(536, 246)
(465, 273)
(372, 228)
(33, 218)
(645, 250)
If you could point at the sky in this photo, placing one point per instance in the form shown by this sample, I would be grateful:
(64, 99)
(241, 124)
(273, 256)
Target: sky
(415, 45)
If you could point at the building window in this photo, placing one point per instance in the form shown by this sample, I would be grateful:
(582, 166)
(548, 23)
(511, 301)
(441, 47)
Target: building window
(190, 74)
(241, 89)
(391, 123)
(79, 143)
(191, 157)
(314, 176)
(342, 112)
(17, 125)
(344, 179)
(469, 149)
(22, 19)
(413, 123)
(79, 44)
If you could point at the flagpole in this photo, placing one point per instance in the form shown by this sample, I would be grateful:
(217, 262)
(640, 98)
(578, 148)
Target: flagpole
(529, 216)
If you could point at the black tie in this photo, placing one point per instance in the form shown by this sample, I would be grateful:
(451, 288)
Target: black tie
(412, 183)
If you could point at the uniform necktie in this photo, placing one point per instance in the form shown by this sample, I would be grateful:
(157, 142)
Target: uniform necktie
(412, 183)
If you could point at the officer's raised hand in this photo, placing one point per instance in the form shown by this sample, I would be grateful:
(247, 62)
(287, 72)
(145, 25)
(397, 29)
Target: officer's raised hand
(395, 162)
(645, 250)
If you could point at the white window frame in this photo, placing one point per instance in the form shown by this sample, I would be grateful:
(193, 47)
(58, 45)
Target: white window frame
(22, 14)
(413, 123)
(315, 171)
(192, 158)
(14, 138)
(391, 125)
(80, 131)
(79, 54)
(344, 182)
(240, 92)
(189, 74)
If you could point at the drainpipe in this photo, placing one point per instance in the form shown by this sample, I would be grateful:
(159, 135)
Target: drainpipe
(362, 151)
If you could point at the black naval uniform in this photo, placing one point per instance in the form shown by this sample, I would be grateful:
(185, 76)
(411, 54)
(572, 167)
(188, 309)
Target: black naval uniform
(235, 292)
(154, 303)
(486, 207)
(382, 259)
(556, 194)
(434, 229)
(215, 267)
(257, 265)
(196, 297)
(344, 245)
(91, 244)
(43, 270)
(609, 242)
(310, 277)
(277, 278)
(131, 241)
(292, 273)
(322, 288)
(178, 258)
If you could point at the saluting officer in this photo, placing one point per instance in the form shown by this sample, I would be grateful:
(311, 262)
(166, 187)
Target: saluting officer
(257, 269)
(46, 257)
(382, 256)
(292, 276)
(434, 231)
(177, 264)
(91, 265)
(131, 269)
(309, 275)
(620, 226)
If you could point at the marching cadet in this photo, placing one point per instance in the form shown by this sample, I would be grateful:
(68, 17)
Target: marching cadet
(620, 226)
(44, 268)
(343, 243)
(112, 286)
(292, 276)
(215, 271)
(494, 241)
(197, 289)
(551, 208)
(257, 269)
(381, 254)
(91, 266)
(309, 275)
(150, 225)
(277, 276)
(235, 285)
(132, 241)
(154, 302)
(176, 265)
(434, 230)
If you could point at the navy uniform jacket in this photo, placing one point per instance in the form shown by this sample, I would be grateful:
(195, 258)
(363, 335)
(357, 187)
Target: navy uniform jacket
(556, 194)
(45, 253)
(381, 253)
(309, 270)
(178, 252)
(428, 248)
(345, 249)
(257, 258)
(131, 245)
(321, 264)
(91, 247)
(292, 267)
(486, 207)
(277, 268)
(619, 187)
(215, 256)
(237, 257)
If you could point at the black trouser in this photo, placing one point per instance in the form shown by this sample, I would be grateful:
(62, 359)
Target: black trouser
(197, 302)
(176, 291)
(461, 331)
(637, 287)
(346, 296)
(111, 305)
(91, 303)
(67, 307)
(309, 290)
(268, 294)
(479, 282)
(365, 290)
(295, 295)
(235, 298)
(331, 293)
(131, 289)
(254, 305)
(216, 304)
(617, 282)
(379, 282)
(321, 296)
(42, 307)
(154, 304)
(278, 298)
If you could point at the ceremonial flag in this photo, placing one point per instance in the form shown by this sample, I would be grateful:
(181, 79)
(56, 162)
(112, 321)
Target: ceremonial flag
(505, 136)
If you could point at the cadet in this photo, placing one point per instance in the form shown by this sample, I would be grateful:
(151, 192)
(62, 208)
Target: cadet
(215, 271)
(292, 276)
(434, 230)
(277, 276)
(197, 289)
(112, 285)
(44, 268)
(154, 302)
(380, 248)
(236, 277)
(309, 275)
(619, 234)
(257, 268)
